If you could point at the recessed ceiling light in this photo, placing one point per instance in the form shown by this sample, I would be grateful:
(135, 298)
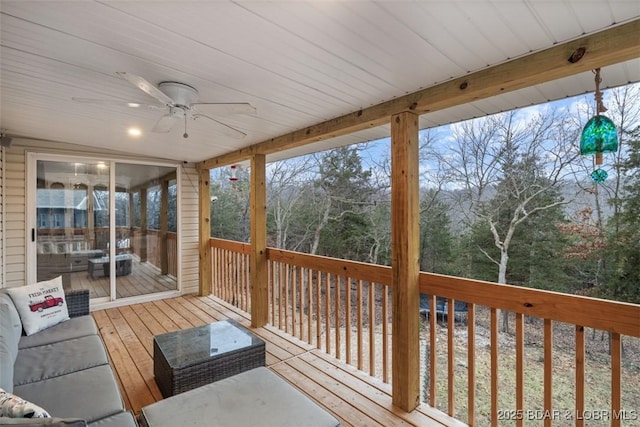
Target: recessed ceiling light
(134, 132)
(133, 104)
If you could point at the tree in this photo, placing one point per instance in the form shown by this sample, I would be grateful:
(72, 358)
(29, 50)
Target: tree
(286, 191)
(435, 236)
(229, 205)
(344, 190)
(602, 200)
(508, 170)
(624, 241)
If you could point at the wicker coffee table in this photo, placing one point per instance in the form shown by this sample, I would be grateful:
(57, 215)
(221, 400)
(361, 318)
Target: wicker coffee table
(190, 358)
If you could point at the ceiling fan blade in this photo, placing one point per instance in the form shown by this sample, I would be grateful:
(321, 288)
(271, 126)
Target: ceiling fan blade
(118, 103)
(223, 128)
(146, 87)
(225, 107)
(164, 124)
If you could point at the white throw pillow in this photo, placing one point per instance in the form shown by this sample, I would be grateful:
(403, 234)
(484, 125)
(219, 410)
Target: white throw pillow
(13, 406)
(40, 305)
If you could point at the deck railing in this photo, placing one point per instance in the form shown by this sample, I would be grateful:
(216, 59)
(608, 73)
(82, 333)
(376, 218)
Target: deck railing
(154, 247)
(344, 308)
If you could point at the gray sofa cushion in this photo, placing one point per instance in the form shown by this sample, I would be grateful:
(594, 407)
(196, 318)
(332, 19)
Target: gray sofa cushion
(61, 358)
(91, 394)
(254, 397)
(37, 422)
(13, 316)
(73, 328)
(123, 419)
(8, 348)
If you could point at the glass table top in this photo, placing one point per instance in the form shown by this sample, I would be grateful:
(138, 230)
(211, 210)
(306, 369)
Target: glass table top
(190, 346)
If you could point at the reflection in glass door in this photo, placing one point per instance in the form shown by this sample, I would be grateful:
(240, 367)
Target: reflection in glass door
(77, 234)
(146, 229)
(72, 220)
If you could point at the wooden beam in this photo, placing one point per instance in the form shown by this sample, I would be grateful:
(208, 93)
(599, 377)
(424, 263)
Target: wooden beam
(205, 233)
(259, 271)
(611, 46)
(405, 261)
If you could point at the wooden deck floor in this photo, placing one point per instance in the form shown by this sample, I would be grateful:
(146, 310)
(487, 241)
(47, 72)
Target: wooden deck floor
(350, 395)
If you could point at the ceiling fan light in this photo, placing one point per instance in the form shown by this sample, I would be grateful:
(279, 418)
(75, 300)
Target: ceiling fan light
(135, 132)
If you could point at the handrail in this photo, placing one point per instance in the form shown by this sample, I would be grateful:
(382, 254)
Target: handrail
(611, 316)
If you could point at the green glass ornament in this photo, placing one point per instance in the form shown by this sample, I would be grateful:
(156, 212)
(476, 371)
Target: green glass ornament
(599, 136)
(599, 176)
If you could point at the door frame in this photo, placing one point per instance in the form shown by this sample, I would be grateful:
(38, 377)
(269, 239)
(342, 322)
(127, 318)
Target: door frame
(32, 157)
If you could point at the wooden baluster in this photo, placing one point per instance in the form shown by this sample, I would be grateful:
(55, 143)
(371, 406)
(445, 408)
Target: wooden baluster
(281, 294)
(372, 329)
(616, 402)
(385, 334)
(359, 319)
(347, 340)
(214, 272)
(432, 350)
(238, 281)
(287, 276)
(337, 315)
(579, 376)
(327, 312)
(318, 311)
(548, 371)
(228, 279)
(301, 297)
(310, 310)
(223, 275)
(272, 275)
(247, 283)
(494, 366)
(451, 317)
(471, 360)
(294, 295)
(519, 368)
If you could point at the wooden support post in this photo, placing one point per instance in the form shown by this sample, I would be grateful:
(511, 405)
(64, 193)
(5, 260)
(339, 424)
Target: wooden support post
(164, 226)
(205, 232)
(405, 261)
(259, 271)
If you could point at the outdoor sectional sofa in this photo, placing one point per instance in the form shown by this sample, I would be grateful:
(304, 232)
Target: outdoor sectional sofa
(64, 369)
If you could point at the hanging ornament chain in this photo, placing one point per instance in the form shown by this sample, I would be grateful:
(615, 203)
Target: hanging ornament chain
(600, 108)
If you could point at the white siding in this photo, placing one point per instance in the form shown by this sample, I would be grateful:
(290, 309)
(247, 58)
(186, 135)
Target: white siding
(14, 204)
(189, 222)
(2, 269)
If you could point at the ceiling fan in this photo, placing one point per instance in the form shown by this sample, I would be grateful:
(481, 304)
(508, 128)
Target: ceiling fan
(181, 101)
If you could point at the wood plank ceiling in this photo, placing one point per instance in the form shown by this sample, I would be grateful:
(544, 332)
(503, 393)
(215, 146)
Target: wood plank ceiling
(299, 63)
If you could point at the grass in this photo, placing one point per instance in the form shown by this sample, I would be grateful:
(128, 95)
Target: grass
(597, 377)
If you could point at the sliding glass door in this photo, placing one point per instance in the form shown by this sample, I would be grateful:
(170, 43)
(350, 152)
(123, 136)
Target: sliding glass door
(110, 227)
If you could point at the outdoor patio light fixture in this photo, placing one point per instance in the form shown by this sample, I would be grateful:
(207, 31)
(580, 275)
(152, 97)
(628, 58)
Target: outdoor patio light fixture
(599, 134)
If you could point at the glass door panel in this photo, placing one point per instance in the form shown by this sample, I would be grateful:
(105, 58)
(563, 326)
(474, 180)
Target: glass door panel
(89, 214)
(146, 225)
(72, 214)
